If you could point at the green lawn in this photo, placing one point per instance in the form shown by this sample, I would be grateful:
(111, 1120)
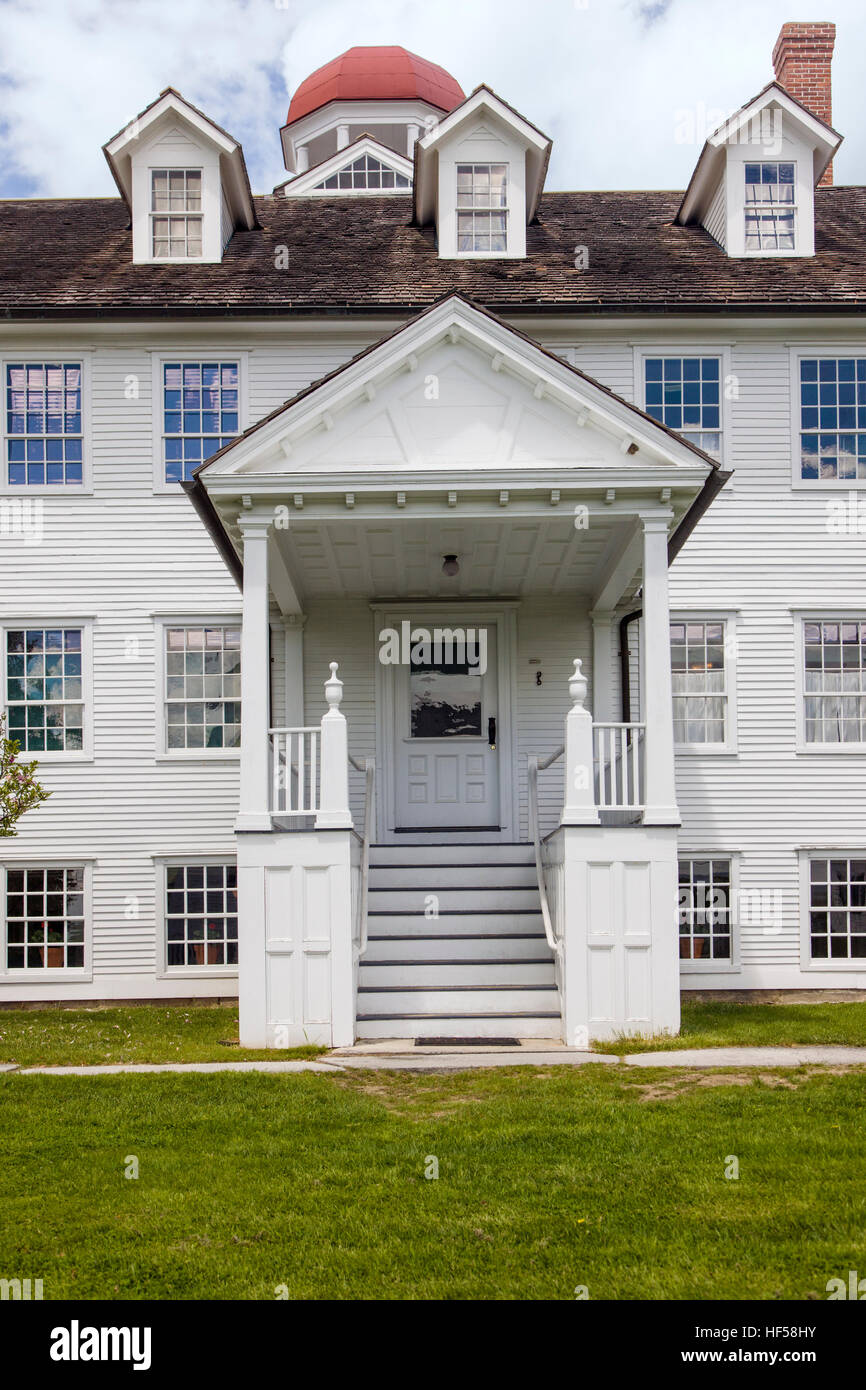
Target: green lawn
(548, 1179)
(52, 1037)
(755, 1025)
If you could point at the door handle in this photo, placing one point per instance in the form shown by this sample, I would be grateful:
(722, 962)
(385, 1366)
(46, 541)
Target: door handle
(491, 731)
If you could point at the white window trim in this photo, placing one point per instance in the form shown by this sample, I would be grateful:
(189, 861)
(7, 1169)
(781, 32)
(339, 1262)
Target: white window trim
(735, 169)
(33, 353)
(164, 971)
(716, 967)
(205, 354)
(641, 351)
(174, 169)
(831, 964)
(730, 617)
(796, 351)
(508, 253)
(76, 975)
(85, 754)
(826, 614)
(163, 753)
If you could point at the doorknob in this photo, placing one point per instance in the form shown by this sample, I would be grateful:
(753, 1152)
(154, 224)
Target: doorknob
(491, 731)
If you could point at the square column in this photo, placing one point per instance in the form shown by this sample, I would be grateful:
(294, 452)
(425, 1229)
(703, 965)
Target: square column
(660, 782)
(604, 702)
(254, 809)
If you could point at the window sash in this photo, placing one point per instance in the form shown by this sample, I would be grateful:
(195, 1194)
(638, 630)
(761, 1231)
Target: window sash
(770, 207)
(834, 681)
(200, 413)
(705, 916)
(175, 194)
(699, 680)
(482, 208)
(201, 915)
(201, 687)
(833, 418)
(364, 172)
(44, 688)
(837, 907)
(44, 433)
(45, 918)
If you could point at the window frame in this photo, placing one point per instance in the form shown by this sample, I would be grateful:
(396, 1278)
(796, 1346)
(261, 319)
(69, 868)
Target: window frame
(151, 214)
(507, 209)
(730, 619)
(50, 974)
(164, 971)
(163, 753)
(832, 351)
(82, 358)
(641, 351)
(769, 208)
(158, 361)
(85, 754)
(733, 965)
(828, 614)
(829, 964)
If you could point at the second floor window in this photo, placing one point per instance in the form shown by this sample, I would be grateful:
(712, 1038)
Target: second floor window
(44, 695)
(43, 423)
(203, 687)
(833, 418)
(835, 681)
(698, 672)
(684, 393)
(175, 213)
(770, 207)
(200, 413)
(482, 208)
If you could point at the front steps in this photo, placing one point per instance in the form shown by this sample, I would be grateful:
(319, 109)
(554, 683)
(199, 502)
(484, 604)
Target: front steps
(456, 945)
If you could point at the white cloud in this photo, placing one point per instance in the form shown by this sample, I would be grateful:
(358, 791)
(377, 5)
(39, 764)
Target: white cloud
(608, 79)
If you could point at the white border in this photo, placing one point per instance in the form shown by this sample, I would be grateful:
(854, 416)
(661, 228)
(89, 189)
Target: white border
(831, 351)
(709, 966)
(830, 963)
(77, 974)
(164, 971)
(85, 754)
(730, 617)
(205, 354)
(828, 613)
(641, 351)
(162, 753)
(82, 357)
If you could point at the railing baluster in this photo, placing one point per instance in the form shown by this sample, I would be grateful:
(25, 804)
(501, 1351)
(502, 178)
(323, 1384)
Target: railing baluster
(618, 756)
(295, 771)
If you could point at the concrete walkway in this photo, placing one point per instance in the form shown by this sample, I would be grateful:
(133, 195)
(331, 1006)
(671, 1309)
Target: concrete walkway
(399, 1057)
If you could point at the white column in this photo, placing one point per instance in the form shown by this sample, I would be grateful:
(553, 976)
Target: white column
(604, 703)
(579, 808)
(293, 628)
(412, 133)
(342, 136)
(334, 773)
(254, 810)
(660, 782)
(302, 159)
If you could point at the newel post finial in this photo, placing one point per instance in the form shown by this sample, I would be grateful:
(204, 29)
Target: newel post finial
(577, 685)
(333, 689)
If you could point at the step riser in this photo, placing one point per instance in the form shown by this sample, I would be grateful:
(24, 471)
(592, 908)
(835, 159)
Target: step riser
(432, 878)
(453, 899)
(454, 924)
(451, 854)
(477, 1000)
(460, 1028)
(433, 949)
(412, 974)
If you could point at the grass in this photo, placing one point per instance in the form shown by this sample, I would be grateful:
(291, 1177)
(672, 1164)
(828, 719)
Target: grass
(754, 1025)
(52, 1037)
(548, 1179)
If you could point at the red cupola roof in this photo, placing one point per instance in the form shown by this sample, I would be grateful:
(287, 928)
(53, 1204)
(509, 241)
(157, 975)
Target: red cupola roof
(376, 74)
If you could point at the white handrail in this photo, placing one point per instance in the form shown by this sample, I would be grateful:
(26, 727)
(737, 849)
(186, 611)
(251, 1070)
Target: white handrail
(295, 771)
(618, 756)
(368, 767)
(536, 765)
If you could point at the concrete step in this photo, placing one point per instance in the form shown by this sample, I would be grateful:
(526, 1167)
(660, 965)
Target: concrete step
(431, 878)
(399, 922)
(457, 1000)
(469, 897)
(437, 853)
(441, 973)
(456, 947)
(456, 1026)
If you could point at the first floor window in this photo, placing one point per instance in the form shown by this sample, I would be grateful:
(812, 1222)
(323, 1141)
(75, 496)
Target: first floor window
(833, 418)
(482, 208)
(201, 914)
(835, 681)
(837, 908)
(770, 207)
(203, 687)
(684, 393)
(200, 403)
(705, 909)
(44, 698)
(44, 439)
(175, 212)
(45, 919)
(698, 675)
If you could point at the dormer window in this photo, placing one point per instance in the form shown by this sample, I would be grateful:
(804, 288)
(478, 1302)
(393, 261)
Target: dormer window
(176, 214)
(770, 207)
(482, 209)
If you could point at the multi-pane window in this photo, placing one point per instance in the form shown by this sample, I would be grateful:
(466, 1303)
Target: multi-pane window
(201, 914)
(44, 919)
(44, 697)
(200, 413)
(175, 213)
(684, 393)
(770, 207)
(43, 423)
(482, 207)
(698, 675)
(837, 908)
(833, 417)
(705, 909)
(834, 682)
(203, 687)
(365, 172)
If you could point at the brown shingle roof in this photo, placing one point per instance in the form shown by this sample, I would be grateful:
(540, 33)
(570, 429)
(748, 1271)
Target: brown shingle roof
(73, 257)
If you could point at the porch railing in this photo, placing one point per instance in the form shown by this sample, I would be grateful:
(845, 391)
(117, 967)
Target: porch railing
(534, 766)
(295, 772)
(618, 764)
(368, 767)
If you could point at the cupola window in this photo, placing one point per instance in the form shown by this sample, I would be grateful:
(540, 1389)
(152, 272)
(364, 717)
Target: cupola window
(364, 172)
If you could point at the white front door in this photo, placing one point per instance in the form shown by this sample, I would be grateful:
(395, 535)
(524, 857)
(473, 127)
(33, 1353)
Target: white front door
(446, 759)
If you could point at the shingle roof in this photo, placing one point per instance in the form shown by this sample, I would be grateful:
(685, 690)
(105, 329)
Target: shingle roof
(74, 257)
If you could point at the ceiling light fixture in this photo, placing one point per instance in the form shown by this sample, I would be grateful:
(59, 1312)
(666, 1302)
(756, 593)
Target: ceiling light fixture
(450, 565)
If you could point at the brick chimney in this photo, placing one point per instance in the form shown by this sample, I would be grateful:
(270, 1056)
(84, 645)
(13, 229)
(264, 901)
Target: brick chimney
(801, 60)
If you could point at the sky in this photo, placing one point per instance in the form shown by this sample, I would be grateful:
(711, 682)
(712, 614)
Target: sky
(627, 89)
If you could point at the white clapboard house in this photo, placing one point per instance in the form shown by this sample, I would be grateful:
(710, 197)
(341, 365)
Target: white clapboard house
(438, 604)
